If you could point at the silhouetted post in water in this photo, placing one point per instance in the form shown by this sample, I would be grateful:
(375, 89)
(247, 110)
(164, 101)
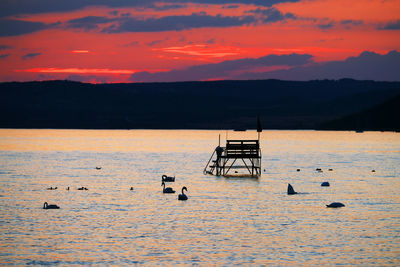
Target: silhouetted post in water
(259, 127)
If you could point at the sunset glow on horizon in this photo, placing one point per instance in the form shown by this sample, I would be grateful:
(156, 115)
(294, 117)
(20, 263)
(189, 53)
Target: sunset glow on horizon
(163, 41)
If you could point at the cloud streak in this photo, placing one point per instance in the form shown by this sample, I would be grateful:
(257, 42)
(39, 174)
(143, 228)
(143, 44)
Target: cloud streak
(16, 7)
(221, 70)
(367, 66)
(10, 27)
(30, 56)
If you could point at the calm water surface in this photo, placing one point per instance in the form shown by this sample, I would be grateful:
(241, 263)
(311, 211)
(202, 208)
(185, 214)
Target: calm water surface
(226, 221)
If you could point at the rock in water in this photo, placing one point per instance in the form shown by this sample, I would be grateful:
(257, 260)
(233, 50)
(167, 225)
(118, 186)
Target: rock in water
(290, 190)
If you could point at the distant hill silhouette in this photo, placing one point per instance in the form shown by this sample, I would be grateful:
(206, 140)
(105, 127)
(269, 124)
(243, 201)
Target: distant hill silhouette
(382, 117)
(187, 105)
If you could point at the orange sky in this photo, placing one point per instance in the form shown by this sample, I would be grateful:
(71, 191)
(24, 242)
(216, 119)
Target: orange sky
(326, 29)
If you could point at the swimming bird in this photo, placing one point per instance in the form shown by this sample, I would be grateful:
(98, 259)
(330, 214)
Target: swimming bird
(290, 190)
(98, 168)
(68, 188)
(131, 188)
(165, 178)
(51, 206)
(325, 184)
(82, 188)
(52, 188)
(335, 205)
(167, 190)
(298, 170)
(183, 196)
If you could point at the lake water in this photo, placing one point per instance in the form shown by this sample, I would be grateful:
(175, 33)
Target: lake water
(225, 221)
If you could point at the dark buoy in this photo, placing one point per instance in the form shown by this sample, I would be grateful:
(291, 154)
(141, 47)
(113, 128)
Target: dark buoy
(290, 190)
(335, 205)
(325, 184)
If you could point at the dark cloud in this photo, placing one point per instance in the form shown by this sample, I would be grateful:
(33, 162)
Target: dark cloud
(134, 43)
(367, 66)
(3, 56)
(156, 42)
(352, 22)
(271, 15)
(4, 47)
(395, 25)
(30, 56)
(89, 78)
(177, 23)
(10, 27)
(223, 69)
(231, 6)
(167, 7)
(89, 22)
(15, 7)
(326, 26)
(210, 41)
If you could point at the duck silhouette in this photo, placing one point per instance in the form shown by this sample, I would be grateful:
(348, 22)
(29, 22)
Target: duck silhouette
(183, 196)
(51, 206)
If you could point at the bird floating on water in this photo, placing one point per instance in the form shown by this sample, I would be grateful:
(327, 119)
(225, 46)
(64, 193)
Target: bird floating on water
(290, 190)
(167, 190)
(325, 184)
(335, 205)
(183, 196)
(52, 188)
(51, 206)
(166, 178)
(98, 168)
(131, 188)
(82, 188)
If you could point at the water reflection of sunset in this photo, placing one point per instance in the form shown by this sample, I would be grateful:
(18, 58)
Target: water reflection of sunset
(226, 221)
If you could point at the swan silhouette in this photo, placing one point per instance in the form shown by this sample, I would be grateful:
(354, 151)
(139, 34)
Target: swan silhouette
(167, 178)
(51, 206)
(183, 196)
(167, 190)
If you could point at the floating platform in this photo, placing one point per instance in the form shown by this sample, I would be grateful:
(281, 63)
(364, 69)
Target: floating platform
(237, 154)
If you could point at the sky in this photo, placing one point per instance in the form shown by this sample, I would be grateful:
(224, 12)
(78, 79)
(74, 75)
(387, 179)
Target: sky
(103, 41)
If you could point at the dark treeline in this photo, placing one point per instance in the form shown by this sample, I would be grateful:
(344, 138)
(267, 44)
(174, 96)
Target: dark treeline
(192, 105)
